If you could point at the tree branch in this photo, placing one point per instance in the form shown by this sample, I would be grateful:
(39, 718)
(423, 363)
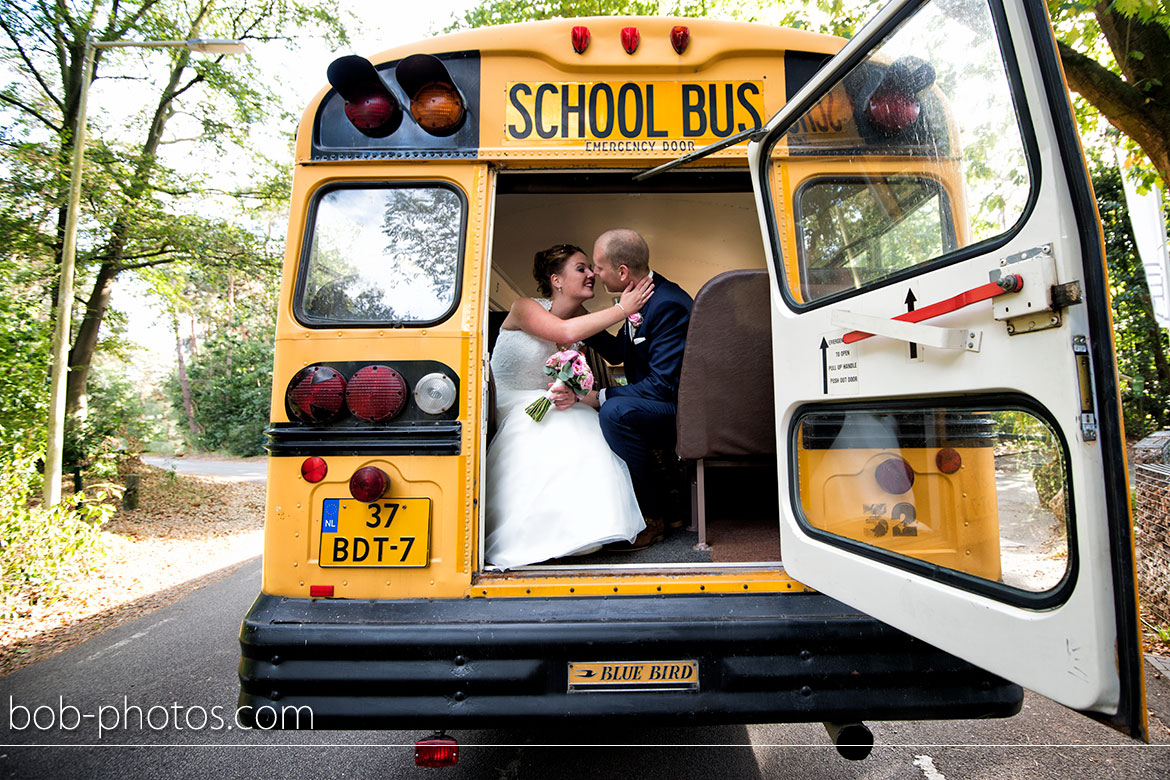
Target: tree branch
(32, 68)
(30, 111)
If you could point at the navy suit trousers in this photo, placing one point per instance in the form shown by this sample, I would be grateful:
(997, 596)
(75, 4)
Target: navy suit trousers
(634, 427)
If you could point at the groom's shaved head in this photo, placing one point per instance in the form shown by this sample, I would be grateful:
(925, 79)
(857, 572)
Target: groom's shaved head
(625, 247)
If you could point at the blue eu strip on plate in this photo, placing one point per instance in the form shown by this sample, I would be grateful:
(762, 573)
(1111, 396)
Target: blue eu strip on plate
(329, 516)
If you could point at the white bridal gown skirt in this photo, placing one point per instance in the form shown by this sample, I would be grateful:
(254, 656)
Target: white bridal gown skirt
(554, 488)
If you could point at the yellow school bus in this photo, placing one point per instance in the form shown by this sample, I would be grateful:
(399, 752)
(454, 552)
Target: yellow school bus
(897, 391)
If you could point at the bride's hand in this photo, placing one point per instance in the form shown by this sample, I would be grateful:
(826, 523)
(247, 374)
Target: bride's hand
(636, 294)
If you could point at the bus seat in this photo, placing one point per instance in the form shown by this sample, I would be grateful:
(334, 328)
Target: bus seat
(726, 410)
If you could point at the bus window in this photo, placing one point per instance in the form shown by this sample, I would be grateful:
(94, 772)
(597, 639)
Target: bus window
(977, 491)
(382, 255)
(930, 119)
(855, 231)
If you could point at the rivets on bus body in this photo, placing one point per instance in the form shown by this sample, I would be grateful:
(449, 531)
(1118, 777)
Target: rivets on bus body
(680, 36)
(630, 39)
(580, 38)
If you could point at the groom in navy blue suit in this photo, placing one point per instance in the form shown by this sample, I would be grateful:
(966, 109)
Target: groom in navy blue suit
(639, 417)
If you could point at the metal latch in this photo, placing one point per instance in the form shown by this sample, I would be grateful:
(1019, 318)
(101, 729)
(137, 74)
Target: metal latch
(1088, 416)
(1038, 304)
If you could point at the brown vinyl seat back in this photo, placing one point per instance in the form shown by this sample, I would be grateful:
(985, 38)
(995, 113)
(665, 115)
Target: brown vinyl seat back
(725, 402)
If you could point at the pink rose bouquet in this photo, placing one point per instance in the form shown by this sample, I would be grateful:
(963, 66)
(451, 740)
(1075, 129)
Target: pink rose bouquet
(568, 369)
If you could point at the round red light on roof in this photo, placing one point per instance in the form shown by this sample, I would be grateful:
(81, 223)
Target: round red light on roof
(316, 394)
(314, 469)
(948, 460)
(376, 393)
(368, 484)
(894, 476)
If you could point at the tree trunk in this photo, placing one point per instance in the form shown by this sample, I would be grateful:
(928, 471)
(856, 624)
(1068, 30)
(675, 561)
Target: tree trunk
(85, 345)
(184, 384)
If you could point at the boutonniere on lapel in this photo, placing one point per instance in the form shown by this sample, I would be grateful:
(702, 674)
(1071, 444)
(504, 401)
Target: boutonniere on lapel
(633, 322)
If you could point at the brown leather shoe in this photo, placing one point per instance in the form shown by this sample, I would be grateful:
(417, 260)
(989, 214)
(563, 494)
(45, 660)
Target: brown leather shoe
(651, 534)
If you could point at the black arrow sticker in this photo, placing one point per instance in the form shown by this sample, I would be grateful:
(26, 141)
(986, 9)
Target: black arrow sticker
(824, 366)
(910, 299)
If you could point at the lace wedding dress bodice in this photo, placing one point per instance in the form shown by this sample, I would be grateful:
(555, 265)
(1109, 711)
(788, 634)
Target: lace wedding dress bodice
(532, 467)
(518, 359)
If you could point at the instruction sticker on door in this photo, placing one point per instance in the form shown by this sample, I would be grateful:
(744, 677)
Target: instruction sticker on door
(839, 375)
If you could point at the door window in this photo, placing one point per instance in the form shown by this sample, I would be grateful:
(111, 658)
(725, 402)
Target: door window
(933, 102)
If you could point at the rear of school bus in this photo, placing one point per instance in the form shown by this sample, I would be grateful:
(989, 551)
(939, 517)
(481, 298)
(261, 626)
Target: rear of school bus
(411, 232)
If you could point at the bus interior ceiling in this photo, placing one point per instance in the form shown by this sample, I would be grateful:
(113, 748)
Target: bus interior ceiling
(697, 225)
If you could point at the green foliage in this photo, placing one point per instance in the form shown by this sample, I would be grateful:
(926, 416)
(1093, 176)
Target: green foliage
(1142, 347)
(24, 360)
(42, 550)
(511, 11)
(231, 381)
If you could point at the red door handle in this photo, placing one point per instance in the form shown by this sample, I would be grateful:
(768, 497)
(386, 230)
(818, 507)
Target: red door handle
(1006, 284)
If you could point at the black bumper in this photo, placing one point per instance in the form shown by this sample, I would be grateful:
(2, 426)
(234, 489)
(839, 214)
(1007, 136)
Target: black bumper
(503, 662)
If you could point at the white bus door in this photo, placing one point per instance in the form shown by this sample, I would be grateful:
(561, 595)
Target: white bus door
(946, 389)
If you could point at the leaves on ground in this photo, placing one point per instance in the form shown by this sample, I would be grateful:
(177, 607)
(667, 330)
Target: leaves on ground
(187, 532)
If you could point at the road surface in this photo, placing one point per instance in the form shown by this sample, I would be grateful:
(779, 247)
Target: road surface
(164, 687)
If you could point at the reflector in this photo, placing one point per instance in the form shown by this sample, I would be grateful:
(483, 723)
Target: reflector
(320, 591)
(894, 476)
(316, 394)
(314, 469)
(436, 752)
(369, 106)
(368, 483)
(948, 460)
(376, 393)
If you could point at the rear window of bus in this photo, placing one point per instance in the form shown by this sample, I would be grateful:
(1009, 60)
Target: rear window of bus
(382, 255)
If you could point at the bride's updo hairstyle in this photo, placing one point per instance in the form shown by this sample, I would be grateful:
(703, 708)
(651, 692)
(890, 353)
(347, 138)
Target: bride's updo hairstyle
(551, 261)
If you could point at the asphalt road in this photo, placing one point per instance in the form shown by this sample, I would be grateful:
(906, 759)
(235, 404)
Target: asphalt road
(177, 666)
(252, 470)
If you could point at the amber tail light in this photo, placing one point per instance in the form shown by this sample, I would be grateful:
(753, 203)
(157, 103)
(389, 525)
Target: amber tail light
(435, 101)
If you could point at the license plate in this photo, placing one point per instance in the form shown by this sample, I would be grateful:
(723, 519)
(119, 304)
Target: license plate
(394, 532)
(613, 676)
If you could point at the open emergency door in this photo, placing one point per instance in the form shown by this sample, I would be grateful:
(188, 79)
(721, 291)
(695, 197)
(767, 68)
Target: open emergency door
(946, 392)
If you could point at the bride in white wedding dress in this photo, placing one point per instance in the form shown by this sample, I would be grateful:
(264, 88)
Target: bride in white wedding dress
(554, 488)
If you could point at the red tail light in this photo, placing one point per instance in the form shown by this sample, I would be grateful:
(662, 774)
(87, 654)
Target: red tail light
(894, 476)
(892, 112)
(435, 102)
(314, 469)
(376, 393)
(679, 38)
(368, 484)
(893, 105)
(316, 394)
(368, 103)
(580, 38)
(630, 39)
(948, 460)
(436, 752)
